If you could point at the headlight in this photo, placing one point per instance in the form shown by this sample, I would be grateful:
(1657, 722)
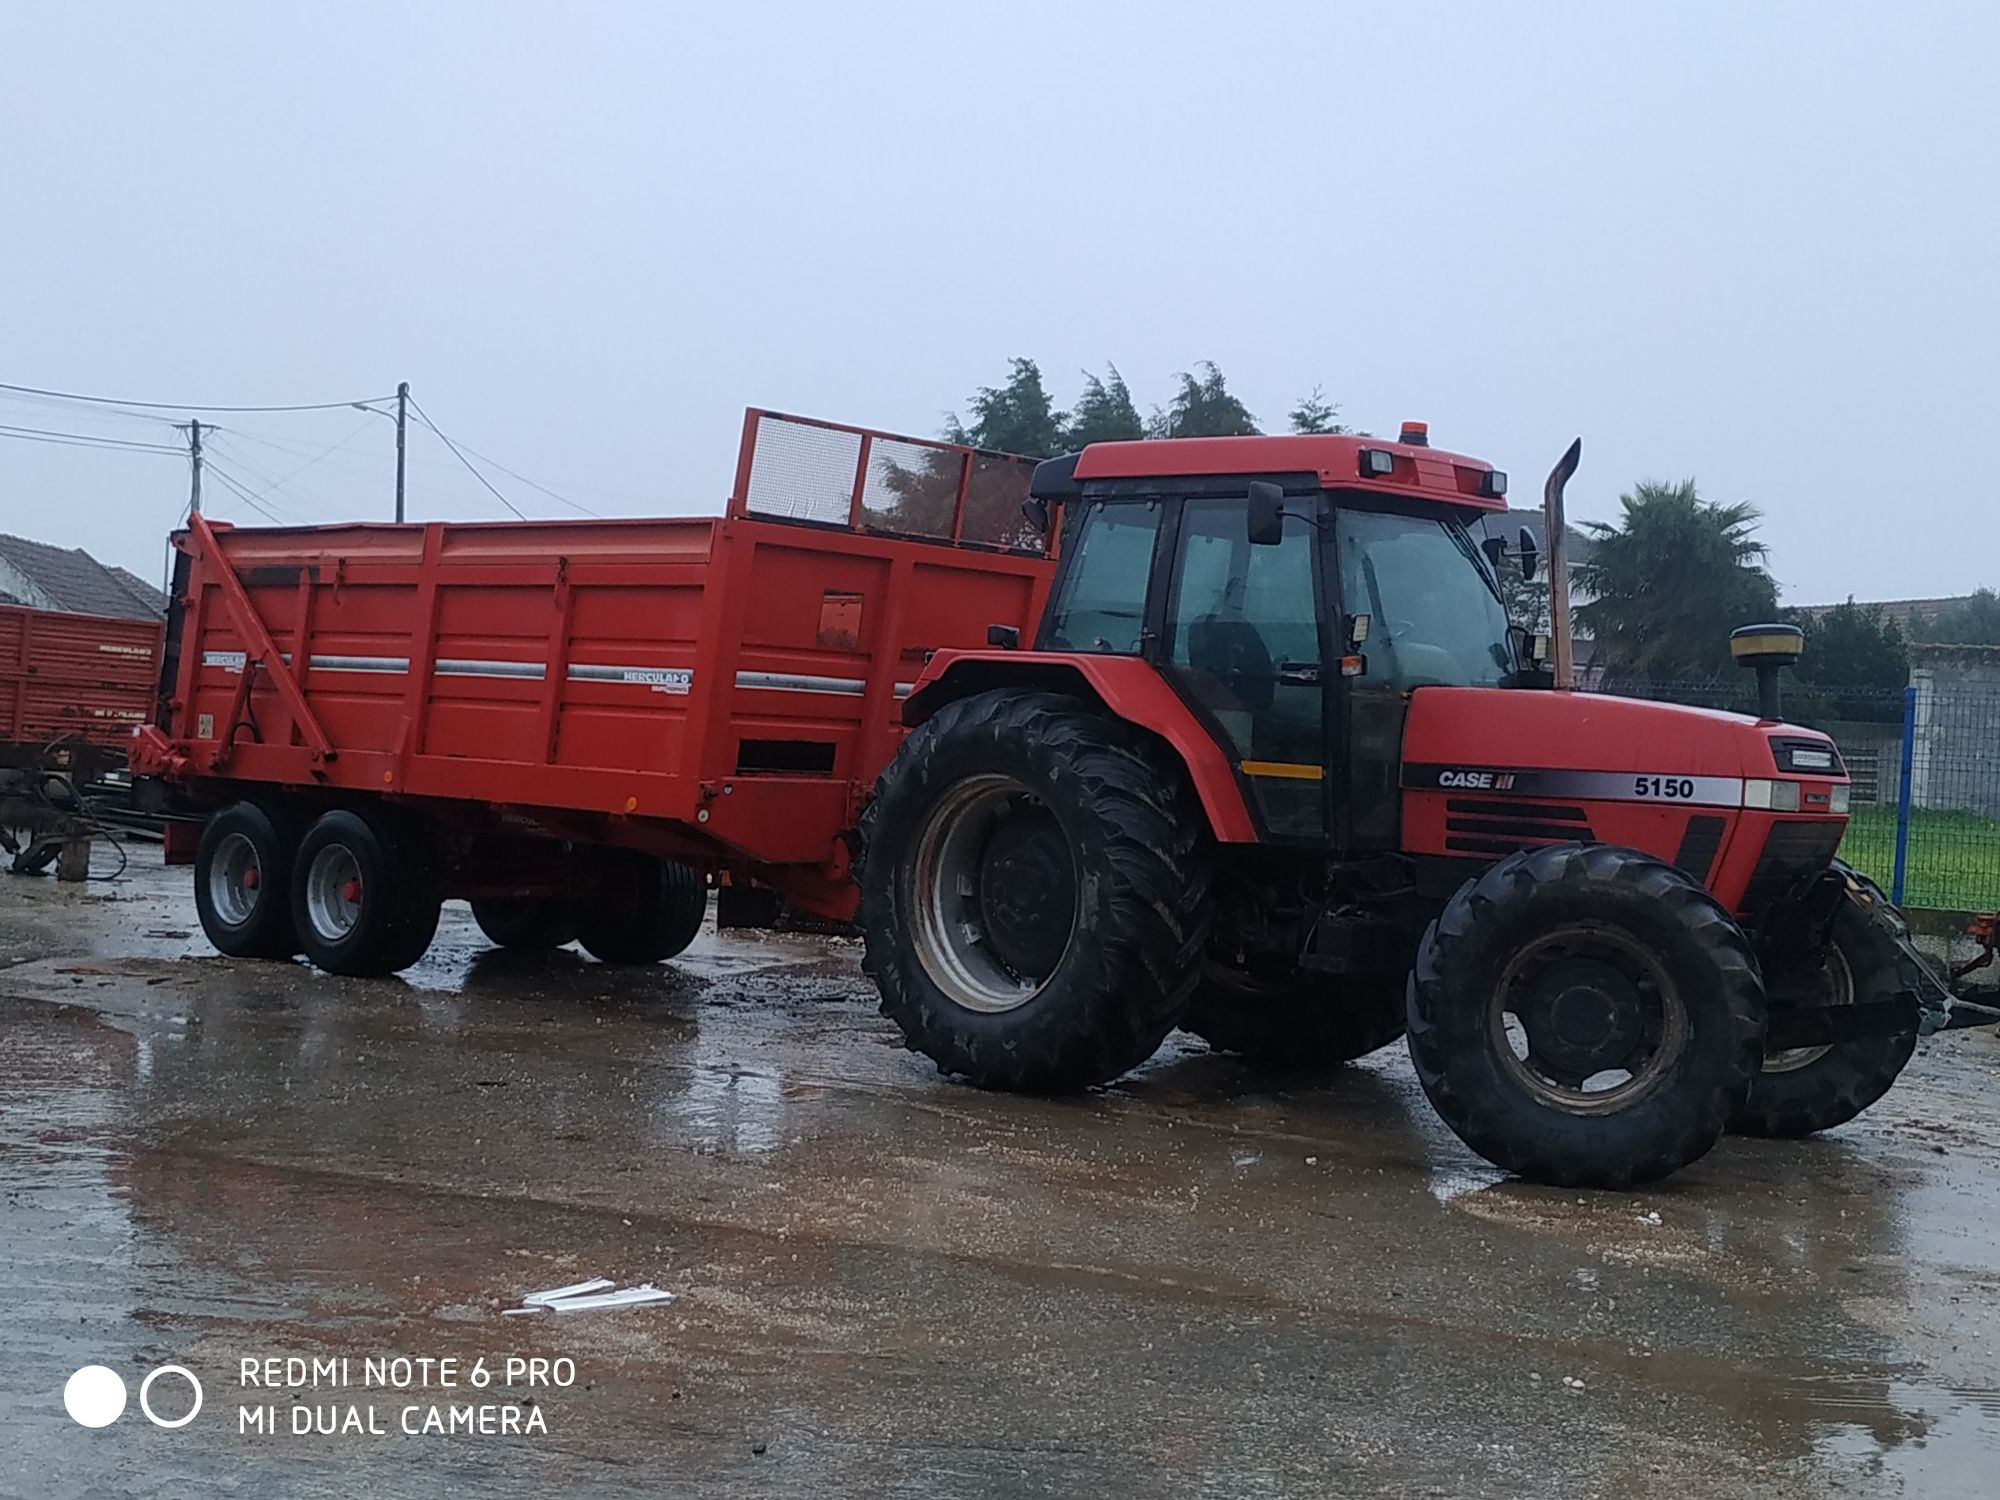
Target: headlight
(1838, 802)
(1807, 757)
(1772, 796)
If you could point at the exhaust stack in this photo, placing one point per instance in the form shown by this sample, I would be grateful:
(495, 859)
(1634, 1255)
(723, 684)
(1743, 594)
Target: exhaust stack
(1561, 658)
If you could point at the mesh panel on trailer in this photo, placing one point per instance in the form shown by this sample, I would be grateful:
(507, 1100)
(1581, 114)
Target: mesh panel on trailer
(911, 489)
(993, 500)
(802, 472)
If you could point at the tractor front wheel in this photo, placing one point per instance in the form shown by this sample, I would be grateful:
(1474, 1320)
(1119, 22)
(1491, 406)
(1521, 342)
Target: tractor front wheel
(1034, 892)
(1805, 1089)
(1586, 1016)
(1295, 1025)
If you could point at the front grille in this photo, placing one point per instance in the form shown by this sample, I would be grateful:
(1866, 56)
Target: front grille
(1476, 825)
(1699, 843)
(1794, 853)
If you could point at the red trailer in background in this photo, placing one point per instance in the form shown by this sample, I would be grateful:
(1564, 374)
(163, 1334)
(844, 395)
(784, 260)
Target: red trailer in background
(73, 688)
(516, 705)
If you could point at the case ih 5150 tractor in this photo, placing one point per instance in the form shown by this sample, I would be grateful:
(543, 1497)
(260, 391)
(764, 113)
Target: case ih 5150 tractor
(1276, 769)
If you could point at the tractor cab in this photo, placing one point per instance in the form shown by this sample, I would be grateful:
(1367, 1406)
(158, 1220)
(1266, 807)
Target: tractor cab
(1294, 592)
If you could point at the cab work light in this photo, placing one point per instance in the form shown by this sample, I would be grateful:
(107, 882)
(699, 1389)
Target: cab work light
(1377, 463)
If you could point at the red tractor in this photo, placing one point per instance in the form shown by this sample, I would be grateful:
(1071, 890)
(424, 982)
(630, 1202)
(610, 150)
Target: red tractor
(1279, 771)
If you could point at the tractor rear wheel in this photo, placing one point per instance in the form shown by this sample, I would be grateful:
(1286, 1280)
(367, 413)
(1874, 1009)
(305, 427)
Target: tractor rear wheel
(1586, 1016)
(1034, 892)
(1295, 1024)
(651, 909)
(1806, 1089)
(528, 923)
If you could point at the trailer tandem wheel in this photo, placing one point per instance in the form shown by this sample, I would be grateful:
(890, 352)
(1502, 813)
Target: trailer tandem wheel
(650, 909)
(526, 923)
(242, 881)
(365, 900)
(1034, 892)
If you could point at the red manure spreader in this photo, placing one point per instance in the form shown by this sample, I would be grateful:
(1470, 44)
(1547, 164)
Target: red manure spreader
(73, 688)
(1229, 734)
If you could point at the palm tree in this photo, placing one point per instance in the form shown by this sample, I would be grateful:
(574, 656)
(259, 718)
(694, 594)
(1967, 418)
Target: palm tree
(1668, 583)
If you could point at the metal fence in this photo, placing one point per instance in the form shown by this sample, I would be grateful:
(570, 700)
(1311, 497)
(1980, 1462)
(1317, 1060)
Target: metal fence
(1925, 765)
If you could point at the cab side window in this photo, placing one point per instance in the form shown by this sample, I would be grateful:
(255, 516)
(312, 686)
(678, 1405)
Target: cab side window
(1103, 603)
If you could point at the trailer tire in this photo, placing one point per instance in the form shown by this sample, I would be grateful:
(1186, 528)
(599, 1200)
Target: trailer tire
(651, 910)
(1808, 1089)
(1034, 892)
(365, 899)
(242, 881)
(1624, 965)
(1295, 1025)
(529, 924)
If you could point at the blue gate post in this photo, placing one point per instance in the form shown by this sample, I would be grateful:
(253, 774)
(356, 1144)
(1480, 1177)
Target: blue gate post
(1903, 793)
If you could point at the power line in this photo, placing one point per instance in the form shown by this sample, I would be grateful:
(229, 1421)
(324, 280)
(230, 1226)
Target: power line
(524, 479)
(242, 493)
(188, 406)
(84, 440)
(324, 453)
(424, 417)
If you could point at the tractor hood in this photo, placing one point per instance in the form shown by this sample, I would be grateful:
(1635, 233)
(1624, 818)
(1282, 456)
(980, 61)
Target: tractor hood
(1593, 745)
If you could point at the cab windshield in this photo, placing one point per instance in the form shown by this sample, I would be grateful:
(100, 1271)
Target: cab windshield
(1434, 610)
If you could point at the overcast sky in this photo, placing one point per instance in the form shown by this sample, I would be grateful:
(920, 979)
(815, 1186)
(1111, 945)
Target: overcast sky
(1755, 244)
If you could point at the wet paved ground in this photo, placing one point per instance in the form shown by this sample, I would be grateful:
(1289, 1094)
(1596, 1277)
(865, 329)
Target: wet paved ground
(1196, 1283)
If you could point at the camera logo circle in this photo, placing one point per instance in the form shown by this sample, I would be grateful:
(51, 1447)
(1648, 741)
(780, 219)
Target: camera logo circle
(146, 1386)
(95, 1396)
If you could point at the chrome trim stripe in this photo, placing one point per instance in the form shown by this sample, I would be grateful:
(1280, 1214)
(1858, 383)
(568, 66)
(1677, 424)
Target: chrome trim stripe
(532, 671)
(359, 663)
(796, 682)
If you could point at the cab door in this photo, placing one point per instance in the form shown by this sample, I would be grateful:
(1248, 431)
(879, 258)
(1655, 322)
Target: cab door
(1243, 641)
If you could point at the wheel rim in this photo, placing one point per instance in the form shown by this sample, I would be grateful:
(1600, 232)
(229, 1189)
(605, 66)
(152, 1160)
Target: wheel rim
(1840, 991)
(1587, 1020)
(333, 892)
(993, 894)
(235, 880)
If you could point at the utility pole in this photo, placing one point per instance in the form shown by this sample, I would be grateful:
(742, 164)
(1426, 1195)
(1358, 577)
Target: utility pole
(194, 466)
(402, 426)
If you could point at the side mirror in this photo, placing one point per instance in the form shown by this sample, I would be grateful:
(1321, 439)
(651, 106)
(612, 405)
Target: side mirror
(1006, 637)
(1037, 512)
(1266, 506)
(1495, 548)
(1530, 555)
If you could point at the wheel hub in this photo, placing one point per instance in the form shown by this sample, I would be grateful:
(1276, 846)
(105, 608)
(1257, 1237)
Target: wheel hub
(1027, 891)
(1582, 1017)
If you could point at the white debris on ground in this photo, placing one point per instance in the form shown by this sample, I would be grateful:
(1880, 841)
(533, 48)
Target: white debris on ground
(584, 1296)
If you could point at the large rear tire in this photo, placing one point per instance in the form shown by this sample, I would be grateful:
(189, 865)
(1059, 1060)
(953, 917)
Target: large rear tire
(1807, 1089)
(242, 881)
(1587, 1016)
(651, 910)
(1034, 892)
(1295, 1025)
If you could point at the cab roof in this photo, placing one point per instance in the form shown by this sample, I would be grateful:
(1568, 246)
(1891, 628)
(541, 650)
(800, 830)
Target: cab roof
(1411, 470)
